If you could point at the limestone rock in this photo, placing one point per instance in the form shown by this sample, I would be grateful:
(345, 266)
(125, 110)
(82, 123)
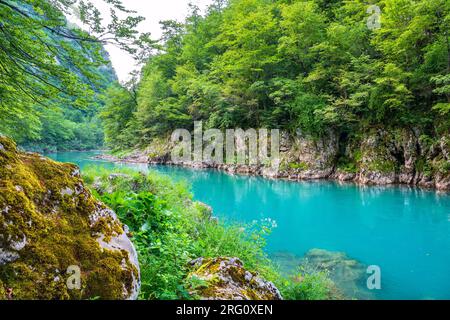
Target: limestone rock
(382, 156)
(377, 163)
(343, 176)
(442, 182)
(348, 274)
(309, 158)
(227, 279)
(49, 222)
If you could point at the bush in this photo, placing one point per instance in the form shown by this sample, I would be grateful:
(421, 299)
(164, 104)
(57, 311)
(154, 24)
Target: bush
(300, 166)
(315, 286)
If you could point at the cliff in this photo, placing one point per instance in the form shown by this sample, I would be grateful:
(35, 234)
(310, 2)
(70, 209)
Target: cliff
(377, 157)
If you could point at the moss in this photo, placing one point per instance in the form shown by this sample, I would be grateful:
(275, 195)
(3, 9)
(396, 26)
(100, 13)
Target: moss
(224, 278)
(108, 280)
(108, 227)
(302, 166)
(45, 202)
(384, 166)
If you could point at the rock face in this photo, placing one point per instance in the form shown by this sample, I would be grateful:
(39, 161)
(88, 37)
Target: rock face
(378, 157)
(226, 279)
(376, 162)
(404, 157)
(307, 158)
(49, 224)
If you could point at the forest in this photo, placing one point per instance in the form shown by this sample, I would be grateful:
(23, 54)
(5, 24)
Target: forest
(312, 65)
(53, 74)
(309, 65)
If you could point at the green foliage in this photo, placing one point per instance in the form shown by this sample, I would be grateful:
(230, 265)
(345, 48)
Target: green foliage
(63, 129)
(309, 286)
(299, 166)
(169, 229)
(309, 65)
(383, 166)
(51, 72)
(347, 165)
(424, 167)
(445, 167)
(120, 104)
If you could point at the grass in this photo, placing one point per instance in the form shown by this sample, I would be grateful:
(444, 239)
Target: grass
(169, 229)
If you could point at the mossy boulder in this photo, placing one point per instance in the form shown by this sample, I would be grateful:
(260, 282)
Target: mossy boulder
(49, 223)
(227, 279)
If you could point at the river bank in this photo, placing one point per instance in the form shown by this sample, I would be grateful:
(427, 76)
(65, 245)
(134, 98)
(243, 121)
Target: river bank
(291, 175)
(397, 157)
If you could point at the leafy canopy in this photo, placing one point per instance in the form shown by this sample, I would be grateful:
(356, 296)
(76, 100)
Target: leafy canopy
(312, 65)
(46, 62)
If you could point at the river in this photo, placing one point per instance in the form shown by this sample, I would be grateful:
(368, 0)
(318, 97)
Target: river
(404, 231)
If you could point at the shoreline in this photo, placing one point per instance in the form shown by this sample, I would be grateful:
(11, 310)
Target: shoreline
(261, 171)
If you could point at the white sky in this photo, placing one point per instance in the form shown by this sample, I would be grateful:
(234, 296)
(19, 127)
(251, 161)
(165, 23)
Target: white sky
(154, 11)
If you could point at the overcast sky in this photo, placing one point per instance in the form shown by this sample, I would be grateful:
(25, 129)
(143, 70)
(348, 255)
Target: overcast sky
(154, 11)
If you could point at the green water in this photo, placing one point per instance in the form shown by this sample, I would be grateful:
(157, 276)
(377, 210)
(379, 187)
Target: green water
(404, 231)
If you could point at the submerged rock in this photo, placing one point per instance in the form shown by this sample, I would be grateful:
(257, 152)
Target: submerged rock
(227, 279)
(348, 274)
(50, 223)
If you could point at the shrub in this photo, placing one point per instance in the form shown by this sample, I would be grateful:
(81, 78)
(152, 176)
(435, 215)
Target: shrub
(315, 286)
(302, 166)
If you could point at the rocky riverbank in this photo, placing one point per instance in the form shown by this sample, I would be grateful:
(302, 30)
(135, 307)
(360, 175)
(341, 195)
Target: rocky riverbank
(379, 157)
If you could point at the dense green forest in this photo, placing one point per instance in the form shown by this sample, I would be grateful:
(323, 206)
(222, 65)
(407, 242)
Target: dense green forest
(53, 74)
(65, 127)
(311, 65)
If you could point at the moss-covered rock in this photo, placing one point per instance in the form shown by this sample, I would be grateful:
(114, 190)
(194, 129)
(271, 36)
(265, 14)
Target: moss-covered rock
(48, 222)
(227, 279)
(406, 157)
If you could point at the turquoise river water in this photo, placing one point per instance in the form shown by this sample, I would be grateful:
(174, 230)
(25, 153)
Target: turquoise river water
(404, 231)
